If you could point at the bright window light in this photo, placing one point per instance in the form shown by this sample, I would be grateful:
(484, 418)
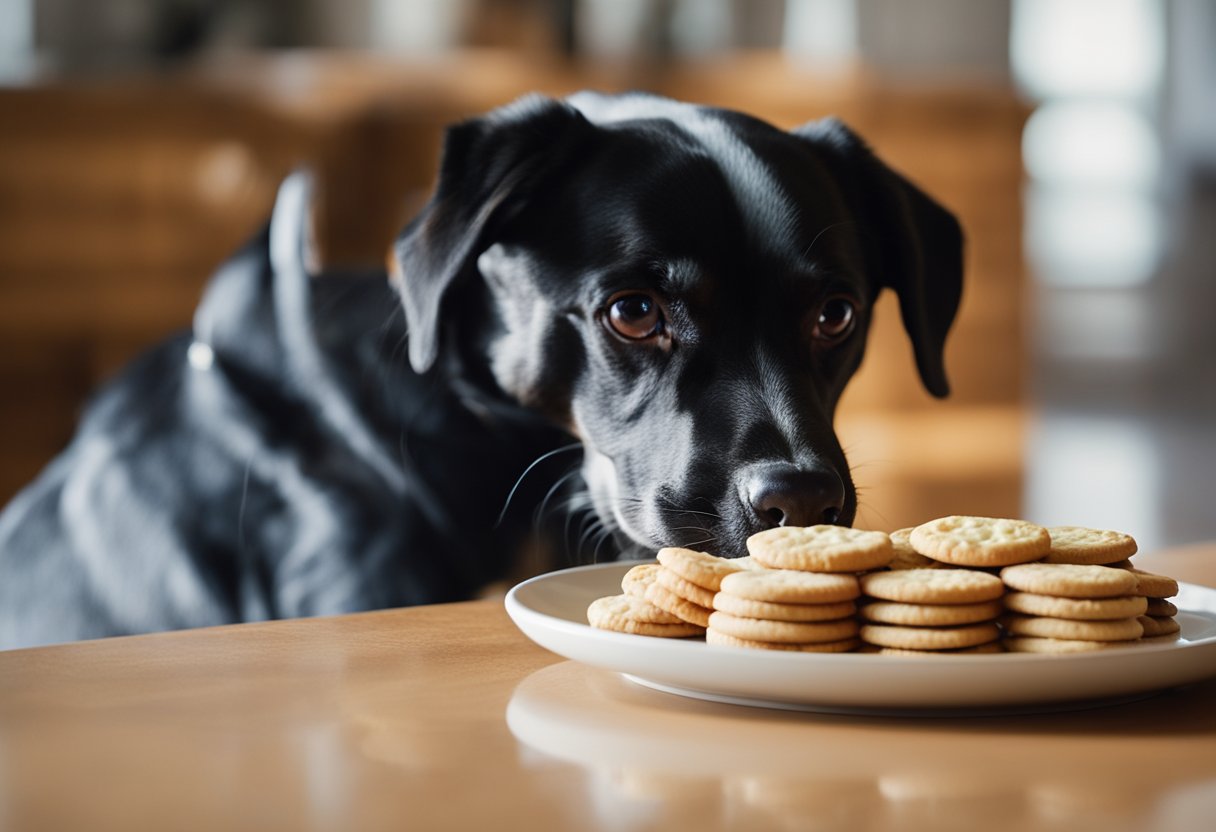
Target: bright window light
(16, 40)
(1104, 325)
(1091, 143)
(1092, 238)
(1087, 47)
(822, 32)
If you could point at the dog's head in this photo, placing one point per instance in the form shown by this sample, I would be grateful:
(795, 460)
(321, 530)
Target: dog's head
(686, 289)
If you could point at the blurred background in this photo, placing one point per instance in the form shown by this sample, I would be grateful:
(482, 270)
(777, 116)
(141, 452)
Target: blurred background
(141, 142)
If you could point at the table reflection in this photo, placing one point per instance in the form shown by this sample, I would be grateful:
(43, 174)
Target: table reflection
(647, 756)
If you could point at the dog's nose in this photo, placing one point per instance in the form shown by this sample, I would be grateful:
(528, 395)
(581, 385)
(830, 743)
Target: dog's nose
(790, 496)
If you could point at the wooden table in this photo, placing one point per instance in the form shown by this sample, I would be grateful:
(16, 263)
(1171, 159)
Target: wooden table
(446, 717)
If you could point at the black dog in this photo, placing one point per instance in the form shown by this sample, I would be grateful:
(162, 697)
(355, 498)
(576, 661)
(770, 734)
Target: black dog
(684, 291)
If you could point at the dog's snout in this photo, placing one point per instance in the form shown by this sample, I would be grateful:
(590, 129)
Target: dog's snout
(790, 496)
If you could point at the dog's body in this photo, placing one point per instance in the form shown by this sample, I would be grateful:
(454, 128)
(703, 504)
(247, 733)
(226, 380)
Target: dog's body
(683, 291)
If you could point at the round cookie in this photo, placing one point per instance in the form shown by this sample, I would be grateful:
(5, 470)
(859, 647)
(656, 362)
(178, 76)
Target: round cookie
(980, 541)
(771, 611)
(933, 586)
(786, 586)
(1120, 629)
(783, 631)
(930, 615)
(929, 638)
(1160, 607)
(1085, 609)
(820, 548)
(713, 636)
(1077, 544)
(990, 647)
(698, 567)
(905, 556)
(1030, 644)
(1156, 626)
(635, 581)
(1069, 580)
(685, 589)
(626, 614)
(681, 608)
(1154, 586)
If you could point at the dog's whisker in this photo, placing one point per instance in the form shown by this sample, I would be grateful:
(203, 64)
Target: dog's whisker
(593, 526)
(885, 523)
(571, 552)
(565, 448)
(669, 509)
(606, 534)
(677, 510)
(538, 516)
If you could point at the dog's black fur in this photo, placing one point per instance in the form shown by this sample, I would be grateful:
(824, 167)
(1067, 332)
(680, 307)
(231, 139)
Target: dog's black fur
(283, 460)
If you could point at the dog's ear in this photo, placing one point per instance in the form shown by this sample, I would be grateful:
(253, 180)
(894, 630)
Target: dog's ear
(490, 166)
(914, 244)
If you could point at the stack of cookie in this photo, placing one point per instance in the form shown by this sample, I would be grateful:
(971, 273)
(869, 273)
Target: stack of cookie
(802, 597)
(686, 582)
(781, 609)
(1078, 545)
(934, 610)
(1070, 608)
(953, 585)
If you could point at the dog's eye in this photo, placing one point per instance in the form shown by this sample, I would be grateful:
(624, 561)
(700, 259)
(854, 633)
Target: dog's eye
(635, 315)
(836, 319)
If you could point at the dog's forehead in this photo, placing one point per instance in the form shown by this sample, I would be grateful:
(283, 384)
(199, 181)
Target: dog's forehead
(780, 196)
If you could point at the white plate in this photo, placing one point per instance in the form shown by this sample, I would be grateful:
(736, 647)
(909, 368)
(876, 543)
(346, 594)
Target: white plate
(551, 610)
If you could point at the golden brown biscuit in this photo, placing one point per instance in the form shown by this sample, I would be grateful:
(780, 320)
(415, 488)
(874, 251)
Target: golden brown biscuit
(1030, 644)
(1160, 608)
(699, 568)
(990, 647)
(905, 556)
(980, 541)
(1068, 580)
(626, 614)
(713, 636)
(1157, 626)
(683, 609)
(820, 548)
(929, 638)
(786, 586)
(771, 611)
(687, 590)
(789, 632)
(1077, 544)
(638, 578)
(933, 586)
(1154, 586)
(1086, 609)
(746, 562)
(930, 615)
(1119, 629)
